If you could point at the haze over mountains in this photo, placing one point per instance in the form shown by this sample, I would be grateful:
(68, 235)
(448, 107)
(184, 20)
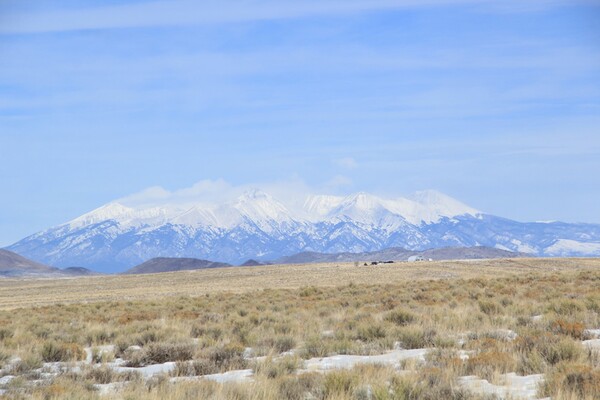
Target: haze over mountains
(15, 265)
(258, 226)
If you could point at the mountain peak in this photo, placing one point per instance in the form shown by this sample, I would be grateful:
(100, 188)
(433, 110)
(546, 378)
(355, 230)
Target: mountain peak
(254, 194)
(262, 208)
(437, 204)
(363, 200)
(110, 211)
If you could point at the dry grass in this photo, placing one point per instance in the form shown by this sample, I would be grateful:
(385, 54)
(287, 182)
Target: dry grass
(16, 293)
(204, 321)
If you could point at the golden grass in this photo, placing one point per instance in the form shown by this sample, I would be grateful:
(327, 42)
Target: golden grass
(15, 293)
(205, 319)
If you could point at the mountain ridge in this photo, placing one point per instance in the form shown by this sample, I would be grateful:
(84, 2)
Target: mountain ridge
(258, 226)
(397, 254)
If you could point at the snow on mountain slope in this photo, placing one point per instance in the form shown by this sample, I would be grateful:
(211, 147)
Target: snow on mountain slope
(317, 207)
(199, 215)
(255, 225)
(266, 211)
(566, 247)
(126, 216)
(429, 206)
(263, 210)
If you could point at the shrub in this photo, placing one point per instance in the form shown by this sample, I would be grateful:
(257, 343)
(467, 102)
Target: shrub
(489, 307)
(158, 353)
(573, 381)
(25, 365)
(400, 317)
(488, 363)
(370, 332)
(305, 386)
(194, 368)
(444, 359)
(551, 348)
(315, 347)
(284, 343)
(567, 307)
(105, 374)
(271, 368)
(563, 349)
(53, 352)
(413, 337)
(3, 357)
(199, 331)
(429, 384)
(574, 329)
(99, 336)
(340, 383)
(5, 333)
(219, 359)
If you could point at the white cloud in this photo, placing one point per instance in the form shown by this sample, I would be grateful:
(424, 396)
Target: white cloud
(205, 191)
(292, 191)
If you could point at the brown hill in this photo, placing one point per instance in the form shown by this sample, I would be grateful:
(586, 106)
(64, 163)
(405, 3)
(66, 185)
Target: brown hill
(168, 264)
(12, 264)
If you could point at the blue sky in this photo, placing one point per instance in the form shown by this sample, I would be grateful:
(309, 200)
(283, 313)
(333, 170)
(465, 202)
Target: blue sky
(496, 103)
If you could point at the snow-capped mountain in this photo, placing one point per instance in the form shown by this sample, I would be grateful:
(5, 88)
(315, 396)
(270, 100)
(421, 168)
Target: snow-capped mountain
(257, 225)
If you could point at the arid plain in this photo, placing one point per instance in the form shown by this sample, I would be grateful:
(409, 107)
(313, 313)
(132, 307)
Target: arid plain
(524, 328)
(16, 293)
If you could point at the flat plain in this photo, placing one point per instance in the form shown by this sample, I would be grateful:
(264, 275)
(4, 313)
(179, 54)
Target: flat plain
(15, 293)
(525, 328)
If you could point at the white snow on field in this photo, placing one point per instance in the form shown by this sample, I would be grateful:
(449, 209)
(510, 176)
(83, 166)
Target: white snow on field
(593, 344)
(595, 333)
(512, 386)
(237, 375)
(5, 380)
(349, 361)
(150, 370)
(566, 247)
(516, 387)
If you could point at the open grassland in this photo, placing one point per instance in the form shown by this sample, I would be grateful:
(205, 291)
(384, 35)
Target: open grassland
(16, 293)
(410, 331)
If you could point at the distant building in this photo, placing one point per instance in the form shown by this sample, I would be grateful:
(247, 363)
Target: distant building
(415, 258)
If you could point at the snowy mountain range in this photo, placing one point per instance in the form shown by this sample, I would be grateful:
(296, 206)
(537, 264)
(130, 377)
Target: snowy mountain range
(255, 225)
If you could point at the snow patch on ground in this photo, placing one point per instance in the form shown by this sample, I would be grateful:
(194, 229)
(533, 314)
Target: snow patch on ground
(516, 387)
(593, 344)
(5, 380)
(595, 333)
(149, 370)
(235, 376)
(349, 361)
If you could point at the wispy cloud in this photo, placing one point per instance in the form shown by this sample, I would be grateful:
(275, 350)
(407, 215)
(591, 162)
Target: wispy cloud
(292, 190)
(187, 12)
